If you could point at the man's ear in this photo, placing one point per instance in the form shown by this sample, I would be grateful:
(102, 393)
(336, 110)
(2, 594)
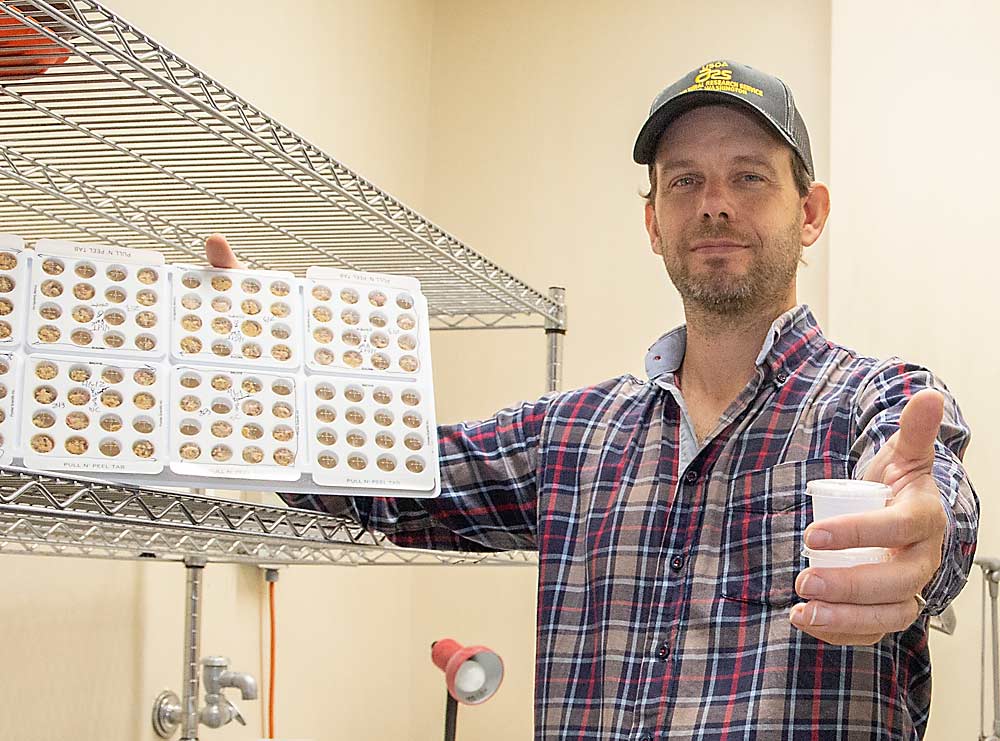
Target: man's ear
(653, 229)
(815, 210)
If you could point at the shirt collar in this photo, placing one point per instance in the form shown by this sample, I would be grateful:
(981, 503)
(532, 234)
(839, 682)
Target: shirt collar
(791, 339)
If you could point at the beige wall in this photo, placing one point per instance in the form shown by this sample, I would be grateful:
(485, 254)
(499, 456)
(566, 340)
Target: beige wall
(915, 97)
(511, 124)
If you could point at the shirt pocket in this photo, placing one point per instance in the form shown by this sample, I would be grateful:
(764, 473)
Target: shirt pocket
(767, 511)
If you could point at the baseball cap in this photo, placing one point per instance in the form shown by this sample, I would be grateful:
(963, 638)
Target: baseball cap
(726, 81)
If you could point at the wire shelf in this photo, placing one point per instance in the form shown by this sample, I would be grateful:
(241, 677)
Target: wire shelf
(60, 516)
(127, 144)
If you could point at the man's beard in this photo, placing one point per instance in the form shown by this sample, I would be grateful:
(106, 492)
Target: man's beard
(720, 292)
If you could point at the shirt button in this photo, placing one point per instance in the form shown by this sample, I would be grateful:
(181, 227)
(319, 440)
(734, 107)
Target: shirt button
(662, 652)
(690, 477)
(781, 377)
(646, 737)
(677, 563)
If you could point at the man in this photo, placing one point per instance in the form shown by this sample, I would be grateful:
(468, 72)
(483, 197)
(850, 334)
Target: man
(669, 516)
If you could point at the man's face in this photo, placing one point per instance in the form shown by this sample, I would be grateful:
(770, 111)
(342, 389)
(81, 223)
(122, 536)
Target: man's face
(726, 217)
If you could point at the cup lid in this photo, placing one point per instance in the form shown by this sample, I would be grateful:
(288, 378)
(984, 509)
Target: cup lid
(848, 489)
(851, 556)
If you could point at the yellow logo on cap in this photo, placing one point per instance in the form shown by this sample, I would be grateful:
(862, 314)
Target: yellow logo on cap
(713, 71)
(716, 77)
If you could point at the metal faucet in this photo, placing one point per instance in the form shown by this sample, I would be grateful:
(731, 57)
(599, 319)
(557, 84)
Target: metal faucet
(171, 712)
(218, 709)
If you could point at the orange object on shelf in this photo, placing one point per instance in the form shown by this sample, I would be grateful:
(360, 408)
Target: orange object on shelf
(24, 52)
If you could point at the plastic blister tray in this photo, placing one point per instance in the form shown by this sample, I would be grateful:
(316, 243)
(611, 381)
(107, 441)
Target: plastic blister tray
(95, 416)
(196, 417)
(13, 287)
(9, 388)
(232, 317)
(235, 424)
(89, 297)
(371, 433)
(368, 325)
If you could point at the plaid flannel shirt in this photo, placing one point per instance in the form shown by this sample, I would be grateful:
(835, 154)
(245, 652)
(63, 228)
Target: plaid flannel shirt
(666, 568)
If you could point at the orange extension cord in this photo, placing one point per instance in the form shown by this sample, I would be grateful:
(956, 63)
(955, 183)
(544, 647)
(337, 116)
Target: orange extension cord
(270, 683)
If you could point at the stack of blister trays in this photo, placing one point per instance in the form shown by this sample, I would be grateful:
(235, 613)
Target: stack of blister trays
(128, 368)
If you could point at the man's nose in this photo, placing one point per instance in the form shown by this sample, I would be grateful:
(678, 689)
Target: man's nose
(716, 202)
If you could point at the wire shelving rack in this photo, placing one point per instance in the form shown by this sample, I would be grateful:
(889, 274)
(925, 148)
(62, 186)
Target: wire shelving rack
(125, 143)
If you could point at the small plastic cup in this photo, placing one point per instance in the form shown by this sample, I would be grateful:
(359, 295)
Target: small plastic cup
(833, 497)
(846, 557)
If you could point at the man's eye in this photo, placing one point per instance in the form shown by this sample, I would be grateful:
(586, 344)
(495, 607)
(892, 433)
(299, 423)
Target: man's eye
(752, 178)
(683, 182)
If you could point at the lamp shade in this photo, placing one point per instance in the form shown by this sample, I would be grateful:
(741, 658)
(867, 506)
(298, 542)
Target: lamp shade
(473, 673)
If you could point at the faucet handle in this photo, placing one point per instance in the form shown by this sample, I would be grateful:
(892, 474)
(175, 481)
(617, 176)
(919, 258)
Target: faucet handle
(235, 711)
(218, 711)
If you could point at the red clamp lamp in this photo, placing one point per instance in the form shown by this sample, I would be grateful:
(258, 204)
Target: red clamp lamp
(473, 675)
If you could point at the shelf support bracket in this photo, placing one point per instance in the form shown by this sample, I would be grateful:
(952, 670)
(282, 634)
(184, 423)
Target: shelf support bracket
(555, 335)
(192, 648)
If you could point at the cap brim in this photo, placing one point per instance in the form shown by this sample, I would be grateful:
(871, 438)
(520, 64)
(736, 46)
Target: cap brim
(646, 143)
